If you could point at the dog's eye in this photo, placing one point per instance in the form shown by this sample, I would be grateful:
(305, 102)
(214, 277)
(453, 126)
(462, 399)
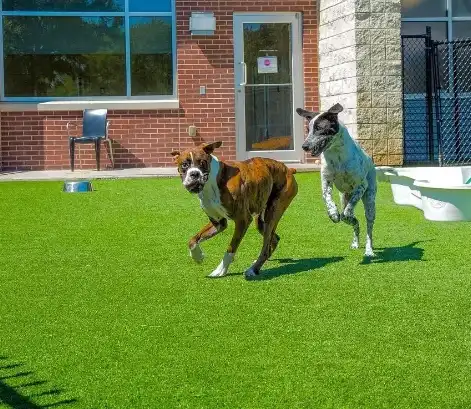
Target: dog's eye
(185, 165)
(204, 164)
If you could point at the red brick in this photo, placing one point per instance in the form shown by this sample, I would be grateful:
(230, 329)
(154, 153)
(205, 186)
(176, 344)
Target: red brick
(38, 140)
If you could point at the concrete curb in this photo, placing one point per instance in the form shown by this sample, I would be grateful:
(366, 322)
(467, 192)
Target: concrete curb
(133, 173)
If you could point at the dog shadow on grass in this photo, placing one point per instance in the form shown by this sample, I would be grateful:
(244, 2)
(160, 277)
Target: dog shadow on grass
(409, 252)
(21, 396)
(290, 266)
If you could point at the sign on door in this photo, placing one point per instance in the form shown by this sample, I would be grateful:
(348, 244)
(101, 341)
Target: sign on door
(267, 65)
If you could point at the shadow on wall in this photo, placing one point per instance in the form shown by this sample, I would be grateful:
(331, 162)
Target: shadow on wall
(124, 158)
(38, 141)
(27, 389)
(84, 158)
(217, 56)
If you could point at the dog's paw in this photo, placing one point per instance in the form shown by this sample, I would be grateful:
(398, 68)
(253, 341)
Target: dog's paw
(197, 254)
(220, 271)
(223, 268)
(369, 253)
(250, 273)
(354, 245)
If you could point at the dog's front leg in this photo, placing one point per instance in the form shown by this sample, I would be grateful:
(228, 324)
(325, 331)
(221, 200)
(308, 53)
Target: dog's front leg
(241, 227)
(210, 230)
(327, 187)
(348, 215)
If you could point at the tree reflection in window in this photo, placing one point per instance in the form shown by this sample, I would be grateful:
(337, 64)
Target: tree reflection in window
(63, 55)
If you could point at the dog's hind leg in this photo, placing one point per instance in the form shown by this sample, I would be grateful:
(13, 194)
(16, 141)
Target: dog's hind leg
(343, 201)
(273, 214)
(348, 215)
(261, 229)
(369, 202)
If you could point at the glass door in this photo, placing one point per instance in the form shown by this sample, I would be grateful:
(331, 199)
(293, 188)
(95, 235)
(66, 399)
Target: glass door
(268, 85)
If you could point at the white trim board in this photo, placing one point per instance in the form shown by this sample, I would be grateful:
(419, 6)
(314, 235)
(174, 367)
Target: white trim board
(123, 105)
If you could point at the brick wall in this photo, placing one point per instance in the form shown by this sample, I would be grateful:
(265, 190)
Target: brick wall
(33, 140)
(38, 140)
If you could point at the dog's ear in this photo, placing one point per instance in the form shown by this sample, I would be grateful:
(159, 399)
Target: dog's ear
(176, 155)
(306, 114)
(209, 147)
(336, 109)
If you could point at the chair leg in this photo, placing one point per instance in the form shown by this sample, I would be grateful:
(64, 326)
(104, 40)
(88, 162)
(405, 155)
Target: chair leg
(110, 147)
(72, 153)
(97, 153)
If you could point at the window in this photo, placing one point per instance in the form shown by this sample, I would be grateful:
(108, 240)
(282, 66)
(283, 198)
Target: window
(461, 8)
(423, 8)
(73, 49)
(461, 29)
(439, 29)
(455, 15)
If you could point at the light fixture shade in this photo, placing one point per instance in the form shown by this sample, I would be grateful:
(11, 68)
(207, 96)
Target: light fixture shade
(202, 23)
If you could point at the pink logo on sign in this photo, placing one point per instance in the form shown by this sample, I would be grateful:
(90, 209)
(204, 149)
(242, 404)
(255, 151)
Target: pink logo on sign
(267, 62)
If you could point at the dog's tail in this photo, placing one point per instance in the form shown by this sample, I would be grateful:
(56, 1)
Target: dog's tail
(291, 171)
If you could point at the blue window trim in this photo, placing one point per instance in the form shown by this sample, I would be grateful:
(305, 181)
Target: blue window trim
(127, 15)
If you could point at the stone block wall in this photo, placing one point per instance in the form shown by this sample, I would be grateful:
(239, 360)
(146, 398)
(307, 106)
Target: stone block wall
(360, 67)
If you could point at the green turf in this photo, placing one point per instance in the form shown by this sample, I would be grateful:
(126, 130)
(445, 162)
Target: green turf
(101, 306)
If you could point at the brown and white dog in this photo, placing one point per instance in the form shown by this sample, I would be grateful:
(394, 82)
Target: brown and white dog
(258, 187)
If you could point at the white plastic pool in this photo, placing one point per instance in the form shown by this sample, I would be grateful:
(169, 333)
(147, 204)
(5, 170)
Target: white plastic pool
(444, 194)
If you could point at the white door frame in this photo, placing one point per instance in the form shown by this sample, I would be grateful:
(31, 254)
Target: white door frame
(294, 19)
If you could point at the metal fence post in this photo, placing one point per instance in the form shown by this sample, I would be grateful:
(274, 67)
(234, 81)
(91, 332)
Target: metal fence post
(417, 96)
(429, 91)
(437, 97)
(404, 145)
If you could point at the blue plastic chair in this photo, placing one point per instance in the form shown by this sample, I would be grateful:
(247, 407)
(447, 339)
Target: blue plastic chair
(94, 130)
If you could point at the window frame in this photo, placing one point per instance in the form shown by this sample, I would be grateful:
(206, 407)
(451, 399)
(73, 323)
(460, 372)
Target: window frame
(127, 15)
(449, 19)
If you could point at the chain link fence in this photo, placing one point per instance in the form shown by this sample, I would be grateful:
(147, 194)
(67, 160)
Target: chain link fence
(420, 139)
(436, 100)
(452, 64)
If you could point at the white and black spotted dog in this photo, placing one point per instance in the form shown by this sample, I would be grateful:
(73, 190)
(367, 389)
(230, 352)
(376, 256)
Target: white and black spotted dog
(347, 166)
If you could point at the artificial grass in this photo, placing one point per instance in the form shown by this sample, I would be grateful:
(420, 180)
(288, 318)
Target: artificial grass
(101, 306)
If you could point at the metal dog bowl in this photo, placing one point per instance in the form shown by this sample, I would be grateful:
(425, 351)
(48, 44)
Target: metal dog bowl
(77, 186)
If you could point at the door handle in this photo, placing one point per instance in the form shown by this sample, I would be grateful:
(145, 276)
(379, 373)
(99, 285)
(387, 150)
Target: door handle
(244, 74)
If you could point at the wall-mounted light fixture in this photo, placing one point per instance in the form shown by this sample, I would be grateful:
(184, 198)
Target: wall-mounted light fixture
(202, 23)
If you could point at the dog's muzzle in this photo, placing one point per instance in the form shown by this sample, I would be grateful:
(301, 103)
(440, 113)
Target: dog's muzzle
(194, 180)
(317, 146)
(313, 149)
(194, 187)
